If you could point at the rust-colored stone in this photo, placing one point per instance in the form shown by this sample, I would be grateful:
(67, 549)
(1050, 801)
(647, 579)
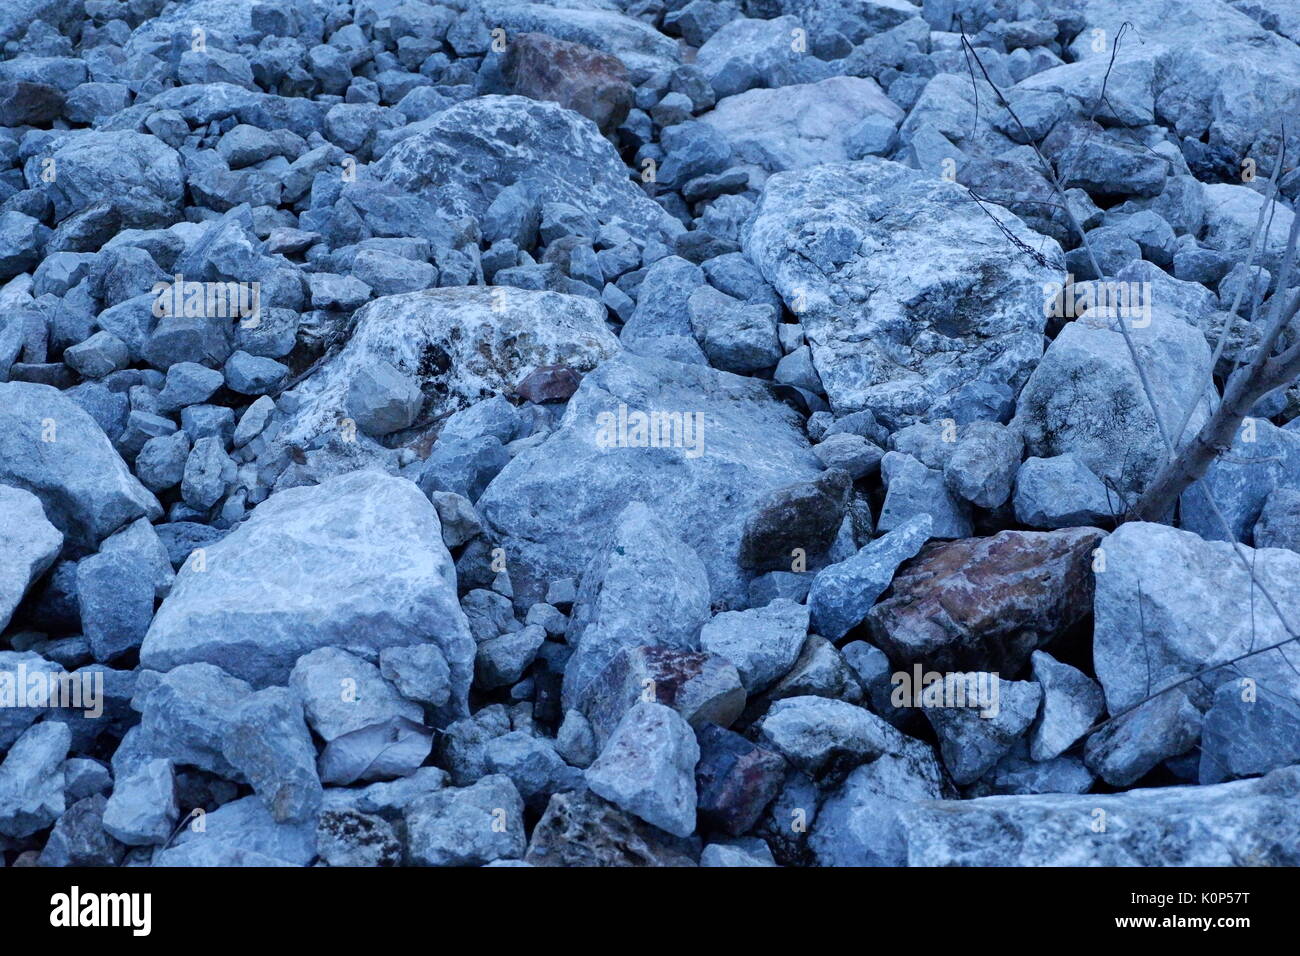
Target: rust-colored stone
(575, 76)
(986, 603)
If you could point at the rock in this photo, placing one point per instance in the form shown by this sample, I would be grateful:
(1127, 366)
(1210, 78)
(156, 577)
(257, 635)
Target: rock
(208, 470)
(418, 671)
(984, 464)
(79, 839)
(735, 779)
(987, 603)
(270, 745)
(116, 601)
(975, 734)
(1061, 492)
(1247, 731)
(186, 716)
(468, 826)
(533, 764)
(575, 76)
(763, 643)
(550, 152)
(647, 767)
(581, 829)
(746, 54)
(641, 567)
(455, 346)
(375, 554)
(849, 453)
(915, 491)
(1278, 525)
(735, 337)
(804, 516)
(60, 454)
(859, 825)
(1262, 457)
(241, 833)
(817, 734)
(574, 741)
(352, 838)
(1085, 398)
(751, 853)
(502, 660)
(1072, 701)
(31, 780)
(137, 176)
(143, 810)
(1132, 744)
(642, 48)
(800, 125)
(702, 688)
(28, 546)
(843, 593)
(937, 330)
(1197, 826)
(1171, 604)
(101, 354)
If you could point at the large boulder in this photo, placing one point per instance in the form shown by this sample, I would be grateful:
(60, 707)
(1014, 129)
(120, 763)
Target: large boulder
(472, 151)
(1169, 604)
(1246, 823)
(356, 561)
(455, 346)
(797, 126)
(1086, 399)
(907, 290)
(54, 449)
(722, 443)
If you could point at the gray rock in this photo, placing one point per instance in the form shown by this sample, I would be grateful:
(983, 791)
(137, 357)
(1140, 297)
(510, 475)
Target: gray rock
(1248, 730)
(241, 833)
(745, 54)
(763, 643)
(461, 344)
(28, 546)
(843, 593)
(1170, 603)
(501, 661)
(799, 125)
(533, 764)
(1085, 397)
(753, 852)
(644, 587)
(32, 781)
(858, 825)
(79, 839)
(914, 490)
(871, 218)
(550, 507)
(115, 596)
(1224, 825)
(185, 716)
(1072, 701)
(1132, 744)
(208, 471)
(270, 745)
(815, 733)
(574, 741)
(143, 810)
(849, 453)
(418, 671)
(799, 518)
(101, 354)
(350, 838)
(1061, 492)
(381, 400)
(357, 560)
(469, 826)
(734, 336)
(56, 451)
(975, 735)
(1262, 458)
(983, 466)
(1278, 525)
(647, 767)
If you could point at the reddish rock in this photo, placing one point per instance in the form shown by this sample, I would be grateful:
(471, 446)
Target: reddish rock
(736, 779)
(703, 688)
(549, 383)
(577, 77)
(581, 829)
(986, 603)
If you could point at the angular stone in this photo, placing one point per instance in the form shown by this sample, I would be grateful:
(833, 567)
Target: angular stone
(28, 546)
(575, 76)
(358, 559)
(1132, 744)
(647, 767)
(143, 810)
(975, 735)
(763, 643)
(735, 779)
(1072, 701)
(987, 603)
(469, 826)
(32, 781)
(270, 745)
(817, 734)
(806, 516)
(581, 829)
